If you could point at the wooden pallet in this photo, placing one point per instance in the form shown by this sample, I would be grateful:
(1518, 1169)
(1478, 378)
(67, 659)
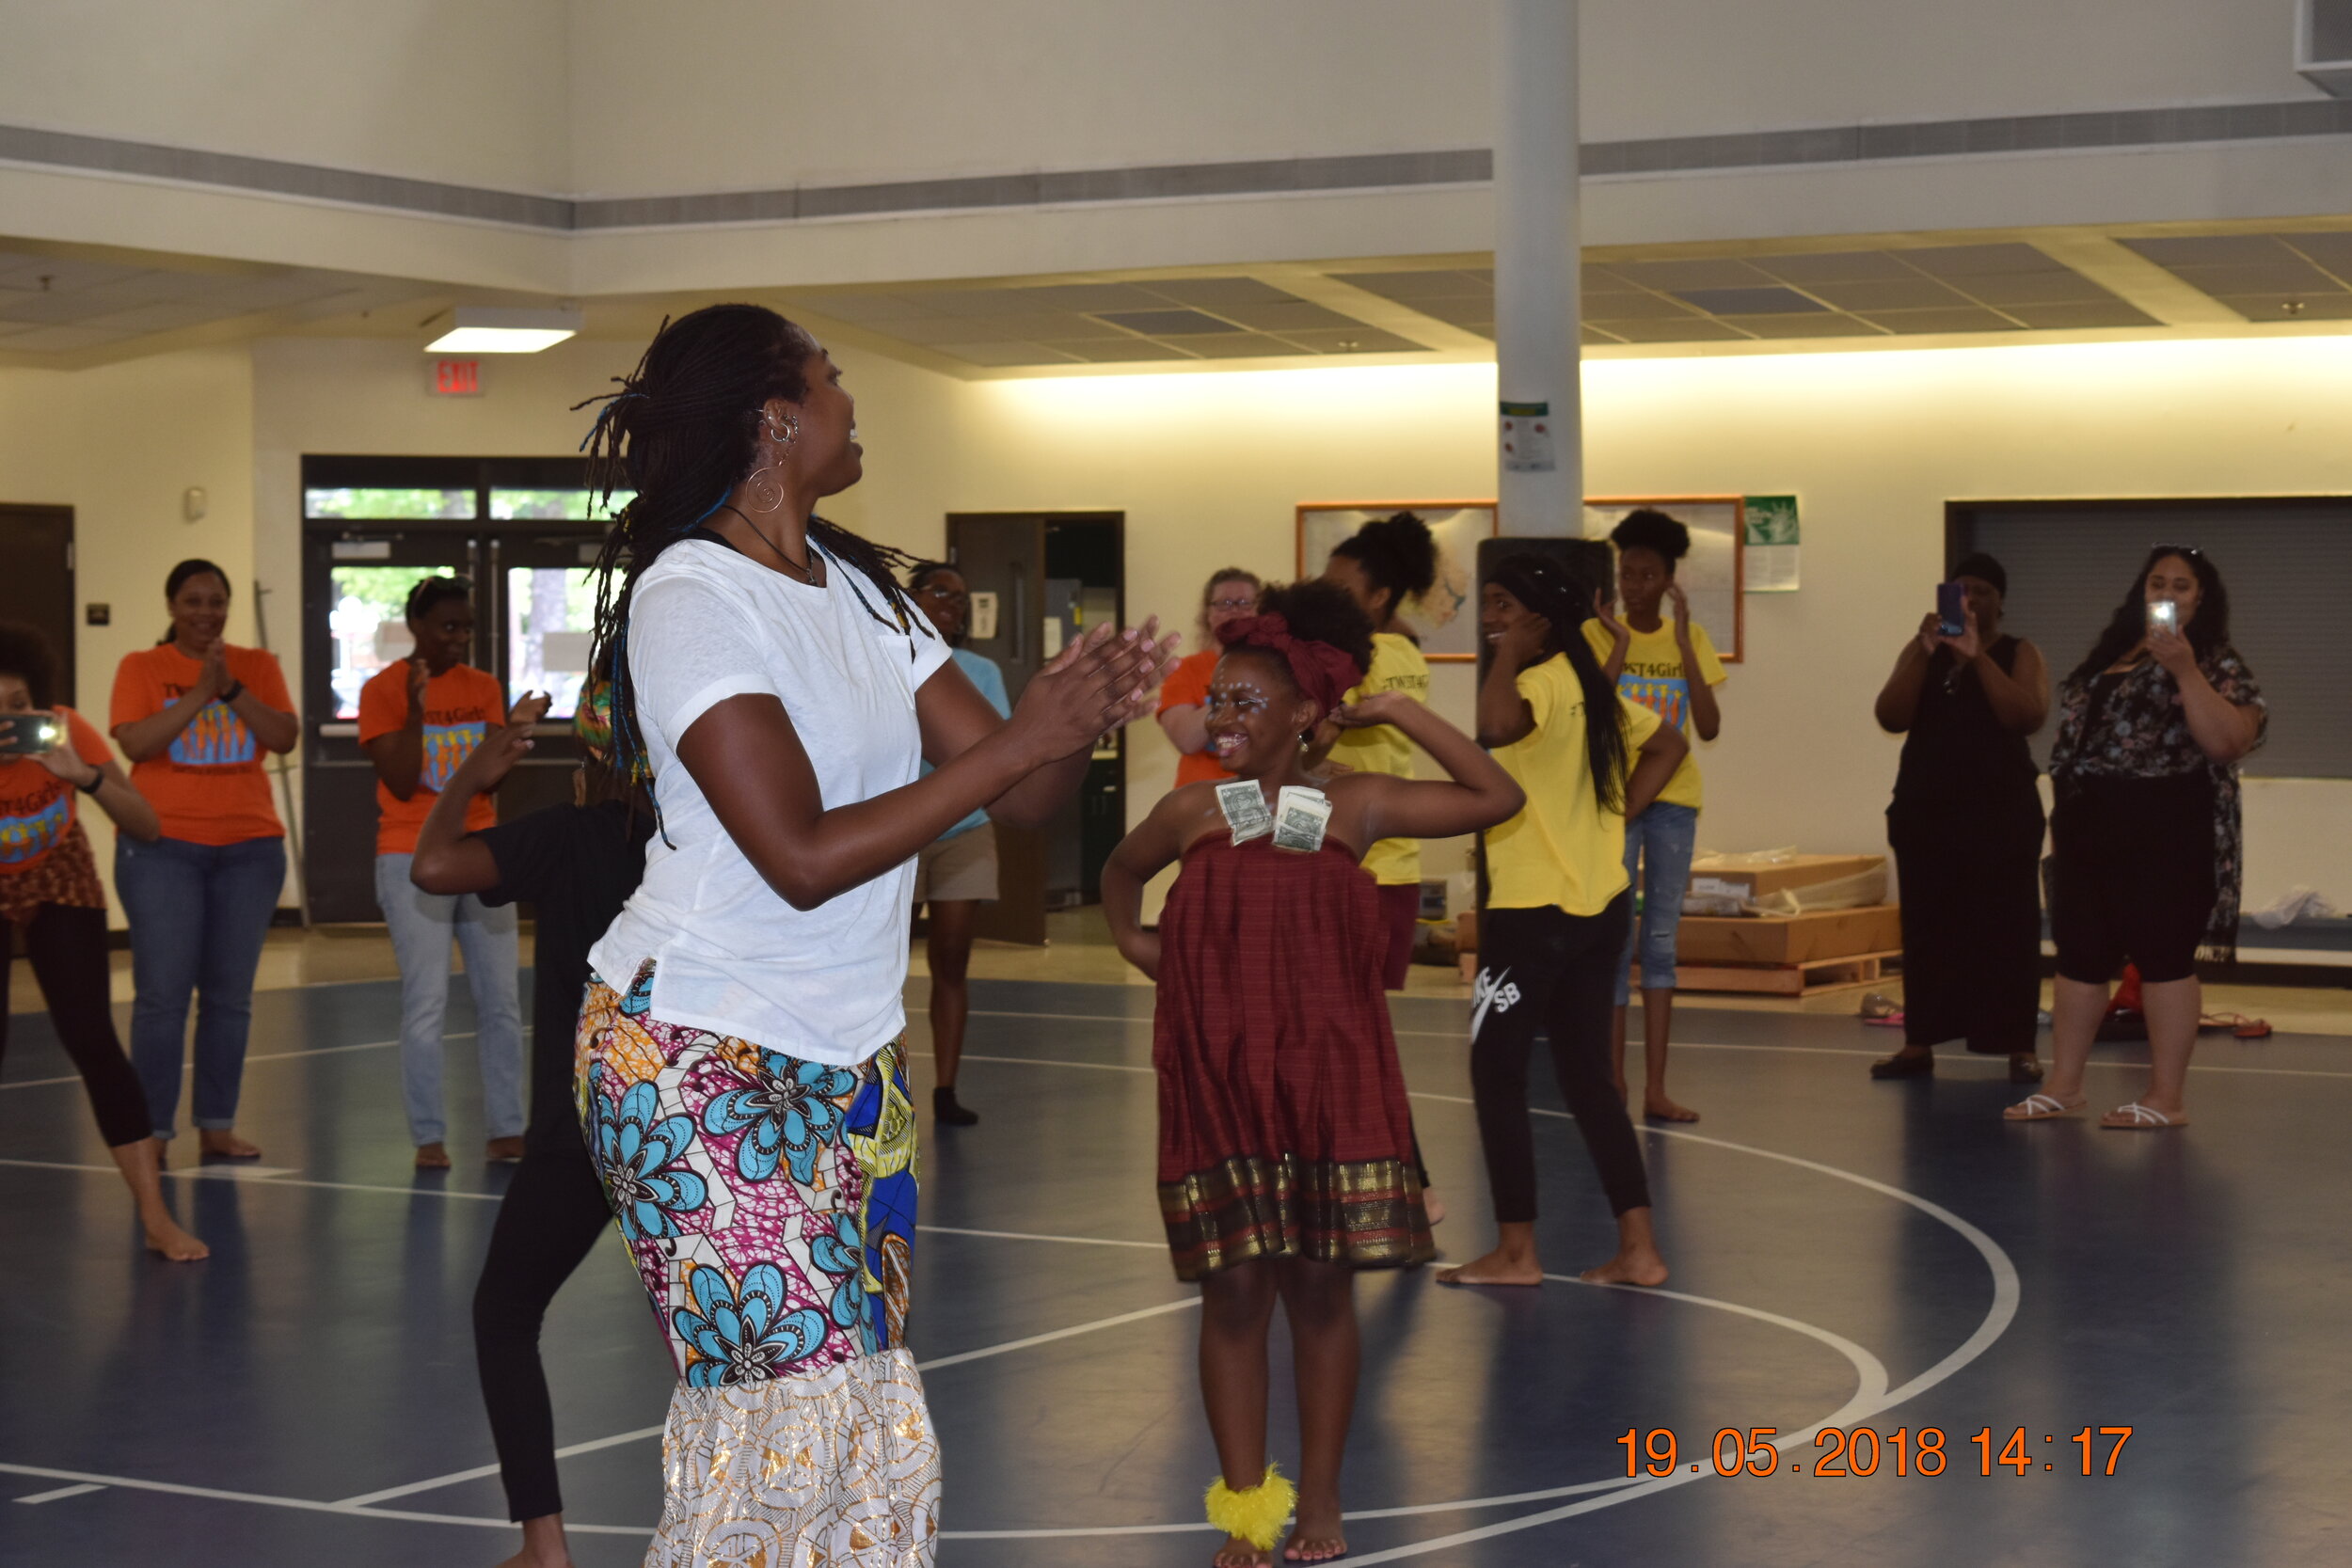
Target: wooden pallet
(1810, 978)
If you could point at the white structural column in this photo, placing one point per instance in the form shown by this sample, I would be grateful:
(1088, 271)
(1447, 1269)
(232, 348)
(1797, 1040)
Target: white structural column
(1539, 441)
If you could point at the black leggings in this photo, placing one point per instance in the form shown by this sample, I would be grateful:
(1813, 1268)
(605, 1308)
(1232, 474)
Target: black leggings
(1554, 970)
(68, 947)
(553, 1212)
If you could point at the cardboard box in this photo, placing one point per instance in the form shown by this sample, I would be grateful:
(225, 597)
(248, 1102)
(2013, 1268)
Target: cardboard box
(1724, 883)
(1789, 938)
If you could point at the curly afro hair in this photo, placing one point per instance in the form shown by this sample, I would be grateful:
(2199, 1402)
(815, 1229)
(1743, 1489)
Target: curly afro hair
(1397, 553)
(26, 654)
(1321, 612)
(1651, 529)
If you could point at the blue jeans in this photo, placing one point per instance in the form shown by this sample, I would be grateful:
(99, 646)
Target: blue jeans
(1657, 847)
(198, 913)
(422, 925)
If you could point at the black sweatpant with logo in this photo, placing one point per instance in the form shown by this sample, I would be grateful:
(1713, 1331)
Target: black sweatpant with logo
(1549, 969)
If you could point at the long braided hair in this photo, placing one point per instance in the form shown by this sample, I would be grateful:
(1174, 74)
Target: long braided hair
(682, 431)
(1545, 587)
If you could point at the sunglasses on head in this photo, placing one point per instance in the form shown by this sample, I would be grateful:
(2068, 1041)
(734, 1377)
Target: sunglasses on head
(2188, 553)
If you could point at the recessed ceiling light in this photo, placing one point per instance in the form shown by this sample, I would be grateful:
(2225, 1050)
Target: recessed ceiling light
(495, 330)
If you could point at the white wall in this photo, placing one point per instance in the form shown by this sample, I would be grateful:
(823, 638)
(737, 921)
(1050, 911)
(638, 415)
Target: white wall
(434, 89)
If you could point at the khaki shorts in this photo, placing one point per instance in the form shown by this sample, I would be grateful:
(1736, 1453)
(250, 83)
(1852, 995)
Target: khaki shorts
(959, 868)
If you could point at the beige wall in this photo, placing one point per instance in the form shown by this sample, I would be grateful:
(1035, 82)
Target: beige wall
(1207, 469)
(121, 445)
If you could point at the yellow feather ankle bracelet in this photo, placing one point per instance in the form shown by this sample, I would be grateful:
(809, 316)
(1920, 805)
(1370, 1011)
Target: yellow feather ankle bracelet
(1256, 1515)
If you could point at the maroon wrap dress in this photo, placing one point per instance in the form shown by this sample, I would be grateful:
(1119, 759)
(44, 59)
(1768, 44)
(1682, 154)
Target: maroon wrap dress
(1284, 1124)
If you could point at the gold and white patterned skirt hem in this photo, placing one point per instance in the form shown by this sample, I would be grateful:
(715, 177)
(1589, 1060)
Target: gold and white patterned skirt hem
(839, 1469)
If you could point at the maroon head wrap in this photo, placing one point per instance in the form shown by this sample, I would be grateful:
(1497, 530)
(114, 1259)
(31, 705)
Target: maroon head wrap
(1322, 672)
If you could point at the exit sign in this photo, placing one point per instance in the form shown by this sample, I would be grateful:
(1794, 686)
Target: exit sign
(457, 378)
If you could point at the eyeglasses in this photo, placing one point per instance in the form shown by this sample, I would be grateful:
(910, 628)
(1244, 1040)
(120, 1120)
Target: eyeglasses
(1245, 605)
(933, 591)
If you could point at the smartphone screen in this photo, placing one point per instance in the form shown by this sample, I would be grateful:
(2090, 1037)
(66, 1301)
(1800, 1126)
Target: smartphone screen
(2164, 613)
(27, 735)
(1951, 609)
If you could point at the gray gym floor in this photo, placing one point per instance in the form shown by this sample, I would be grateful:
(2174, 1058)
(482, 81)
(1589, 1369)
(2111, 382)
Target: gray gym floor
(1846, 1253)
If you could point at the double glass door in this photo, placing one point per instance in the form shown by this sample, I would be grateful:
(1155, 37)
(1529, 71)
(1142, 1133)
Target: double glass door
(519, 533)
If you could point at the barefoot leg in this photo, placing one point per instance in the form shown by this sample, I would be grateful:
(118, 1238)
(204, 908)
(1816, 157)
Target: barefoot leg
(1658, 1022)
(222, 1143)
(1236, 1306)
(1513, 1262)
(141, 1173)
(544, 1545)
(1638, 1261)
(1320, 1300)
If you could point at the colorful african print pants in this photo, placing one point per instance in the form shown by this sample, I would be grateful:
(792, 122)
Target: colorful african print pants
(767, 1203)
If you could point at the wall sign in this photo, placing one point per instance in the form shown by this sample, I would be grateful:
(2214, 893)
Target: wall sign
(456, 378)
(1771, 522)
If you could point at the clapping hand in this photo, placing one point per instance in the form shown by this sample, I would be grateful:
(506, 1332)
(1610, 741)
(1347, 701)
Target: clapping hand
(1098, 683)
(491, 761)
(420, 674)
(214, 678)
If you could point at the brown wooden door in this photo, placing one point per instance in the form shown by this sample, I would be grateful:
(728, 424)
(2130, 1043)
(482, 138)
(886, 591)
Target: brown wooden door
(36, 542)
(1006, 556)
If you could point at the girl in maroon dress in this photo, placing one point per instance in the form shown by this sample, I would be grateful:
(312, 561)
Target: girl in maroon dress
(1285, 1147)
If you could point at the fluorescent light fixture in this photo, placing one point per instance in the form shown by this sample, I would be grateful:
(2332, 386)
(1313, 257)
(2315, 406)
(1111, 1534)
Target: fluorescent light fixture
(496, 329)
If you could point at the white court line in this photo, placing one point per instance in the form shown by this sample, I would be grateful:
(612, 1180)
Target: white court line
(263, 1056)
(61, 1494)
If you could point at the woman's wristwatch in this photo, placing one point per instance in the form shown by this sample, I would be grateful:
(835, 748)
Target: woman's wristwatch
(236, 690)
(97, 781)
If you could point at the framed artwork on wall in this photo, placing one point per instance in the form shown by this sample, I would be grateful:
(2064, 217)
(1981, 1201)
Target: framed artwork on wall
(1445, 620)
(1713, 574)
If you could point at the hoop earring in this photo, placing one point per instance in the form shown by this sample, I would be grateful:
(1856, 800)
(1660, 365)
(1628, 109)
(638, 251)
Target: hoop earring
(764, 487)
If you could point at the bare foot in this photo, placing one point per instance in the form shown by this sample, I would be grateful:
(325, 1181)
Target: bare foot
(432, 1157)
(1657, 1107)
(222, 1143)
(1317, 1535)
(1632, 1265)
(1497, 1268)
(1238, 1553)
(164, 1236)
(507, 1149)
(1433, 1207)
(544, 1545)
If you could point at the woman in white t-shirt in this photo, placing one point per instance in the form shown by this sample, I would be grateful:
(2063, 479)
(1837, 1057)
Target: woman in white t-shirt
(742, 1080)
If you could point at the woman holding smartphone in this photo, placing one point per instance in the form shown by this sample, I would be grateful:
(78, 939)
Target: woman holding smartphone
(1967, 829)
(51, 760)
(2151, 726)
(196, 715)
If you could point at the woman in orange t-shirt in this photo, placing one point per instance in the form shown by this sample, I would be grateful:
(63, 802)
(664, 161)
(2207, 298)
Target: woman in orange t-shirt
(1229, 596)
(195, 716)
(50, 894)
(419, 719)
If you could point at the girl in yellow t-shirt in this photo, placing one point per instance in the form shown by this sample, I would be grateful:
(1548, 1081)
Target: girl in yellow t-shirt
(1381, 565)
(1671, 669)
(1558, 908)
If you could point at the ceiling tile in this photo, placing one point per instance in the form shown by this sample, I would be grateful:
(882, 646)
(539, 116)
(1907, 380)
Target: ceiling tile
(1354, 340)
(2055, 318)
(1681, 277)
(2332, 251)
(1213, 294)
(2005, 289)
(2196, 250)
(1455, 312)
(1633, 307)
(1826, 324)
(1595, 336)
(1093, 298)
(1010, 354)
(65, 273)
(1970, 261)
(1437, 284)
(1771, 301)
(1690, 329)
(1910, 291)
(2273, 308)
(48, 308)
(1241, 345)
(1297, 316)
(1910, 321)
(2289, 275)
(165, 316)
(863, 307)
(966, 329)
(1844, 267)
(1119, 350)
(62, 339)
(1167, 324)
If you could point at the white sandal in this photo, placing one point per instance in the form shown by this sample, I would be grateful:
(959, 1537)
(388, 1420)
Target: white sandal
(2139, 1119)
(2042, 1107)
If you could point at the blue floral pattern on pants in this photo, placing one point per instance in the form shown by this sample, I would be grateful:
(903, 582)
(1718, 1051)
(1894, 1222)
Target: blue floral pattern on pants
(741, 1332)
(637, 1152)
(785, 1109)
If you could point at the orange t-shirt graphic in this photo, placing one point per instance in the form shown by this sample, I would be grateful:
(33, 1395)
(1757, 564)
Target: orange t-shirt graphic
(1187, 685)
(208, 787)
(461, 706)
(36, 805)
